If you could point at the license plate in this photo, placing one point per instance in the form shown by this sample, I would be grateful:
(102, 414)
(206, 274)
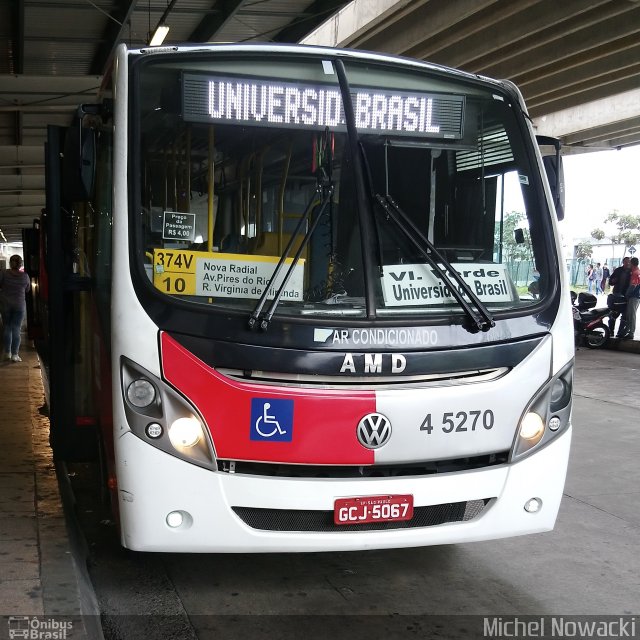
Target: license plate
(368, 509)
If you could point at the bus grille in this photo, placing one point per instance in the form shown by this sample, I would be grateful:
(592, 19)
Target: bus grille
(416, 469)
(322, 521)
(453, 378)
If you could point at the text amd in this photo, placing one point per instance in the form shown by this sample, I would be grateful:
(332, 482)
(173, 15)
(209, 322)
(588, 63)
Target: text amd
(373, 363)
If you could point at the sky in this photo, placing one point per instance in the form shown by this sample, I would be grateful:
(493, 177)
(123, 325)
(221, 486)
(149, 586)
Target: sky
(596, 184)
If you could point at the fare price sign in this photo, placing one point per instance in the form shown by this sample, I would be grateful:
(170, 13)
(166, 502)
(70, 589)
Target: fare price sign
(222, 275)
(179, 226)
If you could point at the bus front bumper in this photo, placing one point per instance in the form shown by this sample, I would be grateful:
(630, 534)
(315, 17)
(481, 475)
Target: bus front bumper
(158, 485)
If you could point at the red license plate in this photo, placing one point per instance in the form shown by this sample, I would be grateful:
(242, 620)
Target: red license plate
(372, 509)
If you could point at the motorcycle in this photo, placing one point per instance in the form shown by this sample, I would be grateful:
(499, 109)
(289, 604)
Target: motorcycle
(588, 322)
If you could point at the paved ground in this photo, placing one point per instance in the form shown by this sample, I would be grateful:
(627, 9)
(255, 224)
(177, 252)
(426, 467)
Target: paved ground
(588, 565)
(39, 575)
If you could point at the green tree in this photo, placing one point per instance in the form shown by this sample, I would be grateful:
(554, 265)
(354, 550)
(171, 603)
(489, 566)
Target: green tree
(628, 227)
(583, 252)
(512, 250)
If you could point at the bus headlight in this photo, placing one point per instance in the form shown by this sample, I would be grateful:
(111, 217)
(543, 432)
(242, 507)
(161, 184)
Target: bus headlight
(141, 393)
(546, 416)
(560, 392)
(185, 432)
(160, 416)
(532, 427)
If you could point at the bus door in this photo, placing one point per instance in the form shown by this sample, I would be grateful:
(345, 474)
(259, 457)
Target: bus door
(65, 349)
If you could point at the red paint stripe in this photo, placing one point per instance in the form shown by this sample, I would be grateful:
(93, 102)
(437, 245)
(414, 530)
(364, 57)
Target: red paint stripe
(324, 421)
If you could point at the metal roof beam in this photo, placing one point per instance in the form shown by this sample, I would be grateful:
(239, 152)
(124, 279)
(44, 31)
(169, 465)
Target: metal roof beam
(617, 82)
(17, 215)
(589, 74)
(21, 200)
(18, 21)
(357, 20)
(53, 109)
(308, 20)
(524, 28)
(563, 46)
(21, 182)
(613, 53)
(445, 26)
(18, 138)
(15, 156)
(113, 33)
(597, 113)
(213, 22)
(623, 134)
(46, 91)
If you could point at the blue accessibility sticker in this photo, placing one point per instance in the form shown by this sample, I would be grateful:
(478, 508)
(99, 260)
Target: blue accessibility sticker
(271, 419)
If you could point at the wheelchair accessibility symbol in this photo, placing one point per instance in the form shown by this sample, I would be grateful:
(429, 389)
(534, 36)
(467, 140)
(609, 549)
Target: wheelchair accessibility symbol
(271, 419)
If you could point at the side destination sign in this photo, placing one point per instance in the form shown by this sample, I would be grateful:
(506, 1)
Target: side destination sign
(222, 275)
(418, 284)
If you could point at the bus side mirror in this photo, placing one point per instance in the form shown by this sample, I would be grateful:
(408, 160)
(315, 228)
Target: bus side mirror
(518, 236)
(555, 173)
(78, 163)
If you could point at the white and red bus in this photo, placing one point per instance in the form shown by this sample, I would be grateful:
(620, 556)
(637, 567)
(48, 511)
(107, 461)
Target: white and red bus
(295, 323)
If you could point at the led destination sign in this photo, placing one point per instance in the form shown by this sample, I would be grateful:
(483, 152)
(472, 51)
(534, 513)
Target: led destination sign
(264, 102)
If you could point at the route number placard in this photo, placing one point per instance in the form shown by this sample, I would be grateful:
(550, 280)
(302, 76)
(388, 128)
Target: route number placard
(222, 275)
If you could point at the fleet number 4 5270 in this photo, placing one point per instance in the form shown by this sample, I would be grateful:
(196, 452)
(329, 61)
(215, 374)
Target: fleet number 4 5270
(459, 421)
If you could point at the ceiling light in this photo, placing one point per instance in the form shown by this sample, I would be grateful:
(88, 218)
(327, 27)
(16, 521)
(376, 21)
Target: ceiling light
(159, 35)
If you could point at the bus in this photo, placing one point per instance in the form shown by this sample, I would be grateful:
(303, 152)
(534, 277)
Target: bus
(280, 305)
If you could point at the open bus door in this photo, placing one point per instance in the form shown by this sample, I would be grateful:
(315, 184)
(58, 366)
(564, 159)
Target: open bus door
(72, 433)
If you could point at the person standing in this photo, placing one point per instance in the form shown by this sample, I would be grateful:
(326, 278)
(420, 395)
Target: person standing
(14, 285)
(616, 301)
(590, 277)
(633, 299)
(598, 277)
(605, 277)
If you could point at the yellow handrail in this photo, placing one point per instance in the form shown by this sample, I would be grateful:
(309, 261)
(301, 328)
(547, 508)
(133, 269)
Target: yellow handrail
(211, 212)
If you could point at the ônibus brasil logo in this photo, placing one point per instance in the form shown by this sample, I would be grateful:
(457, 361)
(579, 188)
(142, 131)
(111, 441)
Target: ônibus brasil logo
(38, 628)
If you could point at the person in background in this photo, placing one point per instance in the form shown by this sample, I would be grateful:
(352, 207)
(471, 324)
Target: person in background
(534, 285)
(590, 277)
(633, 300)
(14, 284)
(597, 277)
(605, 277)
(619, 282)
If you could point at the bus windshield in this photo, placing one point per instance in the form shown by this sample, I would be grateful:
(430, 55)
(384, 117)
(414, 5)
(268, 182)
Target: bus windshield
(254, 188)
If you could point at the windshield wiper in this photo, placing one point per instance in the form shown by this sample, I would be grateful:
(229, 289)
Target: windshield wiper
(324, 191)
(482, 320)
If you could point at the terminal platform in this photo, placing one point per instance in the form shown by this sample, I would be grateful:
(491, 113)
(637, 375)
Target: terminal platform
(42, 567)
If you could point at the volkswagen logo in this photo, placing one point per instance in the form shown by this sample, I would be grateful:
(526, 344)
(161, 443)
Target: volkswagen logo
(374, 430)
